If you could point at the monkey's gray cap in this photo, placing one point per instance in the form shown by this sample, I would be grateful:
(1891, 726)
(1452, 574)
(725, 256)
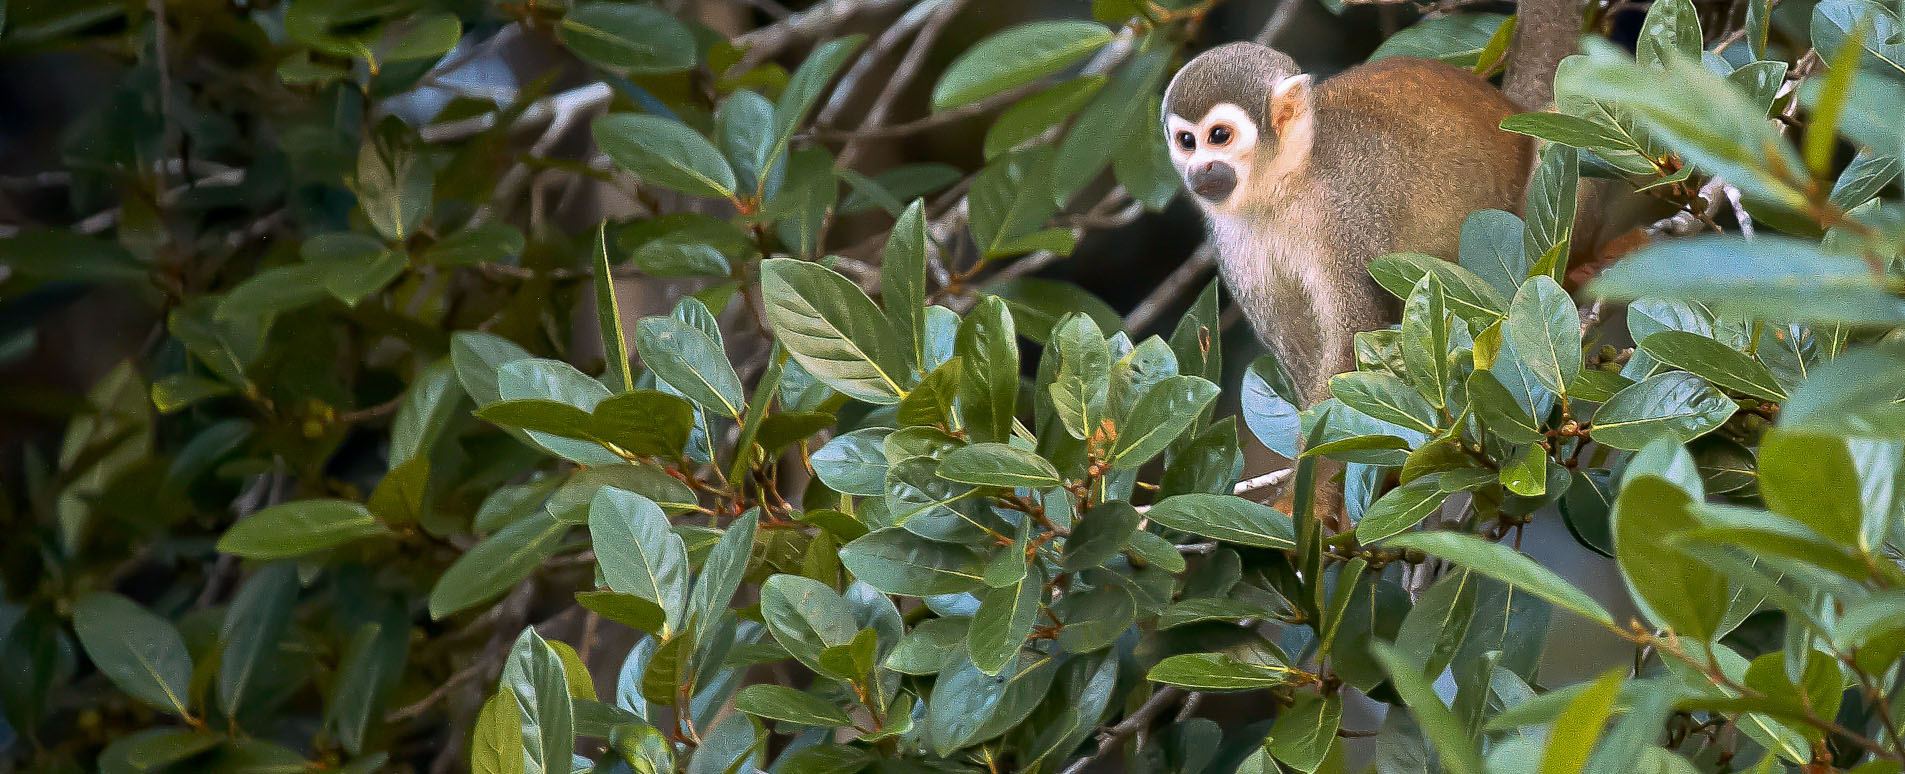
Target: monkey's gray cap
(1240, 73)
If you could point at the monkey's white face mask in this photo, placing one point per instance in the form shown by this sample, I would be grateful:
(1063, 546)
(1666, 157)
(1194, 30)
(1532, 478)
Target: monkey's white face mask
(1219, 154)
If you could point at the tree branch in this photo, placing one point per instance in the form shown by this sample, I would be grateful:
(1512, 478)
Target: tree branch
(1109, 738)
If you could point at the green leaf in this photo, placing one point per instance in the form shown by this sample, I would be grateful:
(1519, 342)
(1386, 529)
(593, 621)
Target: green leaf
(486, 242)
(1095, 619)
(1163, 413)
(997, 464)
(637, 553)
(1303, 734)
(420, 36)
(1812, 477)
(854, 463)
(1016, 57)
(1695, 112)
(1853, 395)
(496, 564)
(1386, 398)
(1443, 729)
(1673, 591)
(665, 152)
(833, 330)
(896, 561)
(1031, 117)
(535, 674)
(1269, 406)
(1565, 129)
(496, 743)
(178, 391)
(1546, 332)
(429, 406)
(1499, 411)
(1004, 620)
(1038, 305)
(1579, 726)
(1469, 296)
(626, 609)
(1010, 201)
(1425, 345)
(1675, 403)
(930, 506)
(298, 528)
(1228, 518)
(892, 189)
(140, 652)
(968, 705)
(1835, 21)
(555, 380)
(903, 281)
(1106, 124)
(690, 361)
(1438, 625)
(644, 422)
(254, 624)
(1099, 534)
(988, 350)
(1770, 277)
(1863, 178)
(1083, 383)
(272, 292)
(1671, 29)
(353, 266)
(721, 575)
(155, 750)
(1525, 473)
(1506, 565)
(478, 357)
(539, 415)
(59, 255)
(930, 647)
(1715, 362)
(395, 193)
(372, 664)
(807, 617)
(1401, 508)
(637, 39)
(1217, 672)
(809, 80)
(1457, 39)
(779, 702)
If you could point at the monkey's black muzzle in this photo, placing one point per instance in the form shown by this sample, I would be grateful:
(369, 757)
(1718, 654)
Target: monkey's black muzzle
(1213, 181)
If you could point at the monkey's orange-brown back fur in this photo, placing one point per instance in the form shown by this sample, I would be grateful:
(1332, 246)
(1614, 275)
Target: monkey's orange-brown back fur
(1433, 130)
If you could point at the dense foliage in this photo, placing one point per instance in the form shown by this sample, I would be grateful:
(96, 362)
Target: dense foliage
(365, 500)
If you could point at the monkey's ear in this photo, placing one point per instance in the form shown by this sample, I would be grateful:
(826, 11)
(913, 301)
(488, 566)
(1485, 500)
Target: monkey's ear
(1289, 101)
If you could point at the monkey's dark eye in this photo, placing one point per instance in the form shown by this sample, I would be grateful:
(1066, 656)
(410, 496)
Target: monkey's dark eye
(1187, 141)
(1220, 135)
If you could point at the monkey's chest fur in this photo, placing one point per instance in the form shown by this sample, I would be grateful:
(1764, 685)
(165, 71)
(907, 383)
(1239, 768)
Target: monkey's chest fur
(1305, 302)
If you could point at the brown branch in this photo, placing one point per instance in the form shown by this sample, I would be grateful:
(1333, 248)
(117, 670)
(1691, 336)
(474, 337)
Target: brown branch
(770, 41)
(1109, 738)
(1186, 275)
(904, 74)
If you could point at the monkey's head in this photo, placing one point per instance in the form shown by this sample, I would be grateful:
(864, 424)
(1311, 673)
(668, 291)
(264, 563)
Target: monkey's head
(1234, 117)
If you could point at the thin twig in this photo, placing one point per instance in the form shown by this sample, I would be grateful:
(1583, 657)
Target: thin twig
(888, 40)
(768, 42)
(161, 47)
(1186, 274)
(1279, 21)
(1109, 738)
(904, 74)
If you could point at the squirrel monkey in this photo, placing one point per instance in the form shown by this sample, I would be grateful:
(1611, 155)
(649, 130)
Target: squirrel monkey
(1304, 183)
